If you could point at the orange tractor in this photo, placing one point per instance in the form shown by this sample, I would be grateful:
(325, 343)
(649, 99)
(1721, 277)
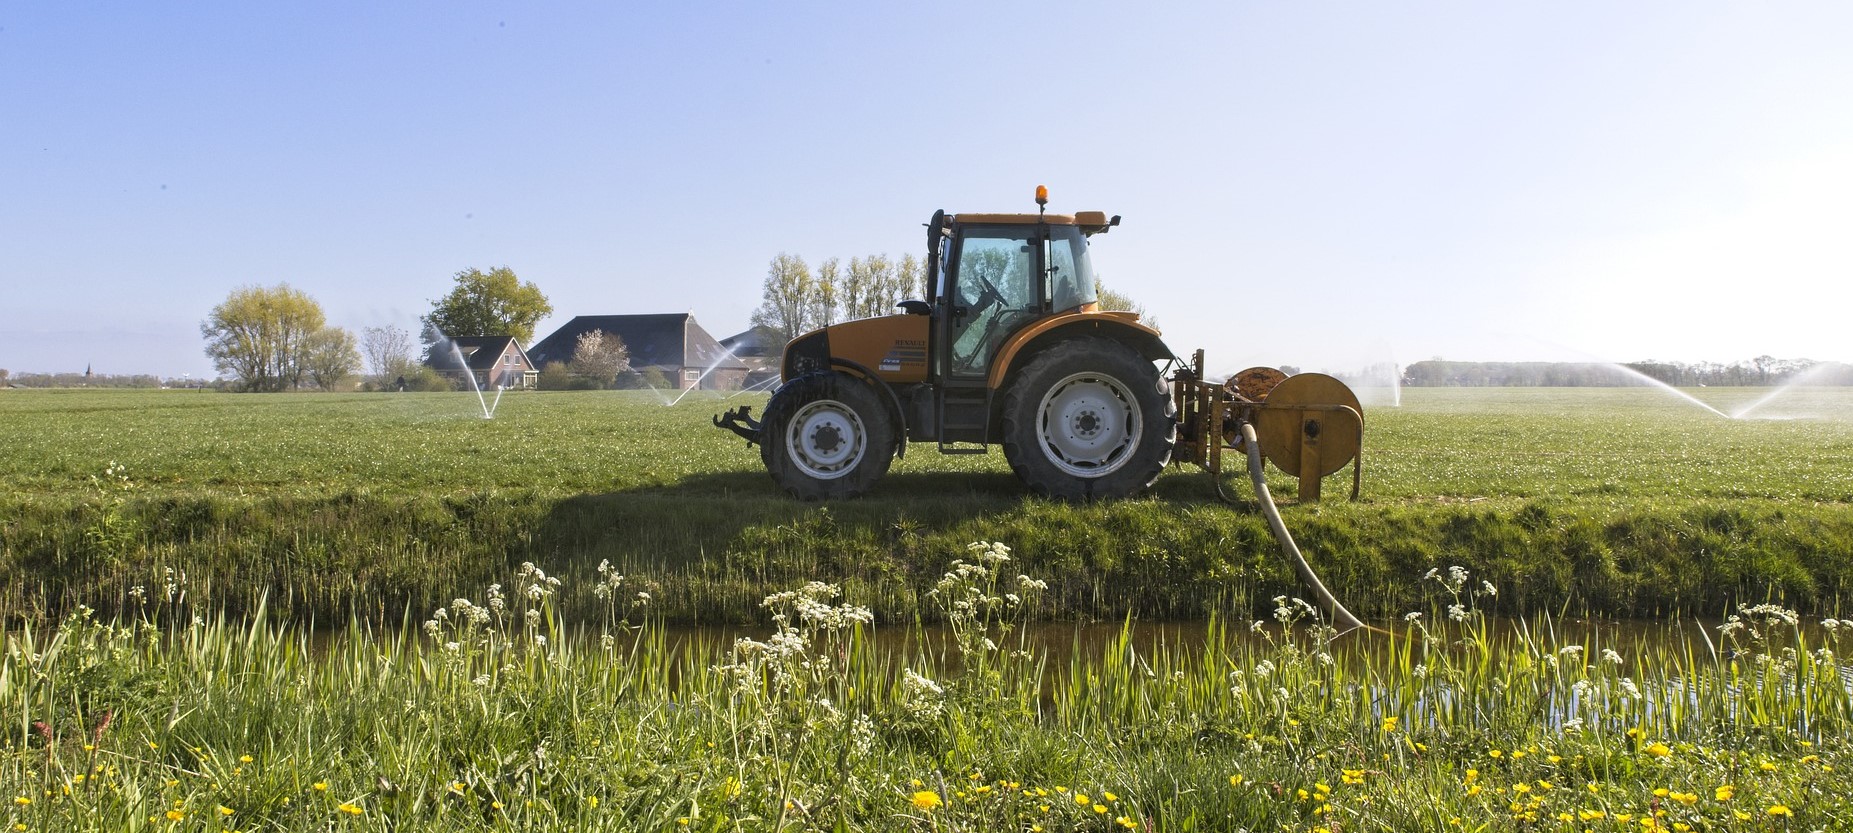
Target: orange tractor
(1010, 347)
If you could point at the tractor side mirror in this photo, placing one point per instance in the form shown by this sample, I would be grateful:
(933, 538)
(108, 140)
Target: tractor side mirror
(914, 307)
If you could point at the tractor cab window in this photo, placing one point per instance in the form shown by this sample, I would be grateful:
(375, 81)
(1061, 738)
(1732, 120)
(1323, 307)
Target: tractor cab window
(995, 293)
(1071, 272)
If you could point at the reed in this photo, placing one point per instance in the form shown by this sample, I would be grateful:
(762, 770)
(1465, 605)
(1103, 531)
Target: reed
(501, 711)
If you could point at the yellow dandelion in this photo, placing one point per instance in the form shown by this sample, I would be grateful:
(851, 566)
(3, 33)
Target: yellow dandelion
(925, 800)
(350, 809)
(175, 815)
(1235, 780)
(321, 786)
(1101, 809)
(1780, 811)
(1724, 793)
(224, 810)
(1389, 724)
(1082, 799)
(1109, 796)
(1125, 822)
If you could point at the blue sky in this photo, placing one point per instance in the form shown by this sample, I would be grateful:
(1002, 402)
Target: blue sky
(1317, 184)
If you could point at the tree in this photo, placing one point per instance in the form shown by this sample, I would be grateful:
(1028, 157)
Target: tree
(599, 357)
(913, 278)
(1111, 300)
(875, 285)
(388, 351)
(786, 297)
(495, 303)
(330, 355)
(258, 336)
(824, 294)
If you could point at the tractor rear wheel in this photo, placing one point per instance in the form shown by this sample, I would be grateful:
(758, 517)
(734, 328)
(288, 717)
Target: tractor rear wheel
(826, 436)
(1088, 419)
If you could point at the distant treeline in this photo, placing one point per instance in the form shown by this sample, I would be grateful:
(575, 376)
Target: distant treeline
(1759, 371)
(82, 380)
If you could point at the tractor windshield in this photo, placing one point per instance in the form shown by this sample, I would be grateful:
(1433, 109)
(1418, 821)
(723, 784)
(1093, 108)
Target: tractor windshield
(1070, 271)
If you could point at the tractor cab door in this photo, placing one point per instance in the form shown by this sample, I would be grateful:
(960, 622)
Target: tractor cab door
(990, 286)
(993, 289)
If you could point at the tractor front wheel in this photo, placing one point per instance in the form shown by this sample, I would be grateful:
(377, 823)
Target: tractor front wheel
(826, 436)
(1088, 419)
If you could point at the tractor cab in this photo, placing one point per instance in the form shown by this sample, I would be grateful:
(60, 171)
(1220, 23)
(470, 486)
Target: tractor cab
(993, 274)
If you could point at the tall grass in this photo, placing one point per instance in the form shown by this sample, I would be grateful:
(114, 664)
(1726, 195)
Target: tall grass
(500, 712)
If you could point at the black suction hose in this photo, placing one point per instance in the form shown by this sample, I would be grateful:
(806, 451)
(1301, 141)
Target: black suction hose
(1309, 579)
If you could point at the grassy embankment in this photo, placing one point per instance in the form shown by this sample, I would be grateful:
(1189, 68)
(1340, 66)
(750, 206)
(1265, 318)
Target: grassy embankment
(497, 716)
(1619, 501)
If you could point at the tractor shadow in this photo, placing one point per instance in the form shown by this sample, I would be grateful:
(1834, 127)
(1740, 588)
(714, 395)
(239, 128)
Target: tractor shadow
(704, 515)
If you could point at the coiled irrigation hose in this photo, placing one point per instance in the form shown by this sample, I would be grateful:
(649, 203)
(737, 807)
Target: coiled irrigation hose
(1309, 579)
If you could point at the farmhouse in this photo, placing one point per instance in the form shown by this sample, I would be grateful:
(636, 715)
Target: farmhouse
(671, 344)
(760, 349)
(495, 361)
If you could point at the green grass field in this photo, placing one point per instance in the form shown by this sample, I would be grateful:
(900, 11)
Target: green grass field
(298, 629)
(1623, 501)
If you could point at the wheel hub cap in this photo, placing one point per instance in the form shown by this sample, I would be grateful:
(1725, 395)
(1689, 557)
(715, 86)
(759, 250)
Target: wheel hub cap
(826, 439)
(1089, 424)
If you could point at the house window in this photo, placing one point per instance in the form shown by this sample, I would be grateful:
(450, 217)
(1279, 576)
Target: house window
(691, 375)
